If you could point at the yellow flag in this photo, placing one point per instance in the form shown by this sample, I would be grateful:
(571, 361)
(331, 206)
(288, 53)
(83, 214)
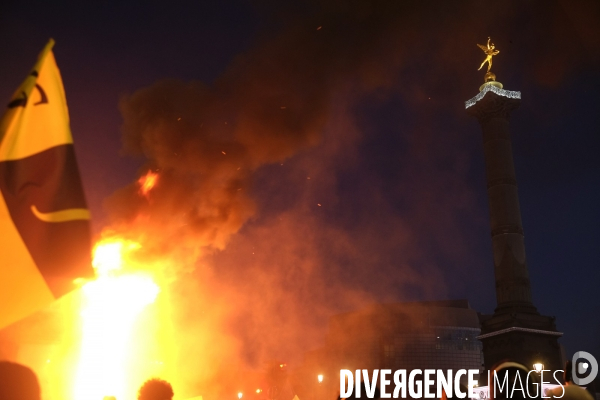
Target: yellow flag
(44, 220)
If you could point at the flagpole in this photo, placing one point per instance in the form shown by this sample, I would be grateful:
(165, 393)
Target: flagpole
(42, 55)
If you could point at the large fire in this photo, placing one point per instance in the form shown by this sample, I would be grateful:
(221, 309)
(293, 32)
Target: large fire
(111, 304)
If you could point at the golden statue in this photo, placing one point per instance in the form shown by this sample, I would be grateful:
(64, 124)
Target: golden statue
(490, 52)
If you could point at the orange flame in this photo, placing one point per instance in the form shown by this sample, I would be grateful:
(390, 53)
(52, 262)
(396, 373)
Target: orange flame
(147, 182)
(110, 306)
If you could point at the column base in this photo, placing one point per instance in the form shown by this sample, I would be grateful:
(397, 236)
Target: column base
(520, 335)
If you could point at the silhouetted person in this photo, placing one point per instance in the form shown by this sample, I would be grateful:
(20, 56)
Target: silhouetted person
(155, 389)
(572, 391)
(517, 378)
(18, 382)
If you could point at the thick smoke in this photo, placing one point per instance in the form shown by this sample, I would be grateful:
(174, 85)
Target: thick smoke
(259, 199)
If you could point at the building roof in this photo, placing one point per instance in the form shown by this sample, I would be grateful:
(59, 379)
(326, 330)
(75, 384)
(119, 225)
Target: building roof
(402, 318)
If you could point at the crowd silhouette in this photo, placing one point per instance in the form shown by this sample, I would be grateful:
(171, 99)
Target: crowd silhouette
(18, 382)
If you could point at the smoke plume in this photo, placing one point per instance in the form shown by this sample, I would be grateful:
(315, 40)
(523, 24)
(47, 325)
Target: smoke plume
(272, 216)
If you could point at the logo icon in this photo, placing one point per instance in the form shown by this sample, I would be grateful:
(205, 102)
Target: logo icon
(580, 368)
(22, 101)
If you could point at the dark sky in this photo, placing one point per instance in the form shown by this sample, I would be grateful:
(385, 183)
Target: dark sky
(370, 108)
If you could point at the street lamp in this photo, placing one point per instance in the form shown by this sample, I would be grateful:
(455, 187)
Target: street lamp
(538, 367)
(318, 389)
(240, 394)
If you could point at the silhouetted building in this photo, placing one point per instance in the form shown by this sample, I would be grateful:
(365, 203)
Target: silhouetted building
(415, 335)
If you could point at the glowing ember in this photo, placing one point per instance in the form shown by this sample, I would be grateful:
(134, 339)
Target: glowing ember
(147, 182)
(110, 306)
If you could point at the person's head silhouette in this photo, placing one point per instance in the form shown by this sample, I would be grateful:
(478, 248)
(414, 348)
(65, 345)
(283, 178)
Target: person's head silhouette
(155, 389)
(568, 374)
(18, 382)
(520, 383)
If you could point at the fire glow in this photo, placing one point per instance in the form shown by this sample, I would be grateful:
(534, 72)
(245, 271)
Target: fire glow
(110, 306)
(147, 182)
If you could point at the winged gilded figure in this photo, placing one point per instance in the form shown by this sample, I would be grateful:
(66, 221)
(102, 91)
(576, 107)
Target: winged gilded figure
(490, 51)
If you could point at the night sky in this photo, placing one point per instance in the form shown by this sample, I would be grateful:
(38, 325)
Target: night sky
(363, 177)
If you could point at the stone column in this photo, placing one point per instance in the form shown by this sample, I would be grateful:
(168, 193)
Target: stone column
(516, 331)
(492, 108)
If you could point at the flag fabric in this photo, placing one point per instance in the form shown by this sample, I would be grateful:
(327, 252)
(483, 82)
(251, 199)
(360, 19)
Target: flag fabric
(44, 220)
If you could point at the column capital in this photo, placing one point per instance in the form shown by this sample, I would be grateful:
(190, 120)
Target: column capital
(493, 102)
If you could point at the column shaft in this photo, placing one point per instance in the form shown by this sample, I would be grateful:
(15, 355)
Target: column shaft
(510, 264)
